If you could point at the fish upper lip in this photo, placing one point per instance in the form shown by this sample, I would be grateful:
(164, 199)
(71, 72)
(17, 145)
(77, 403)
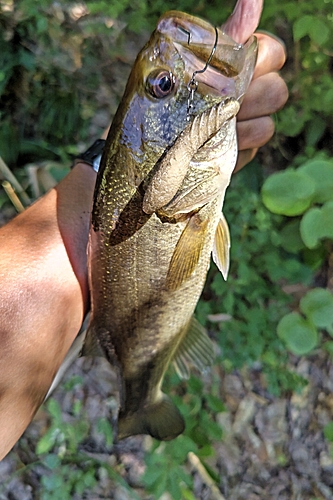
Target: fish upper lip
(200, 37)
(219, 84)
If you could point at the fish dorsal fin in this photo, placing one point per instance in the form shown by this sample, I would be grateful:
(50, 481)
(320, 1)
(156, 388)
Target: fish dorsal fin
(195, 349)
(162, 420)
(221, 247)
(187, 252)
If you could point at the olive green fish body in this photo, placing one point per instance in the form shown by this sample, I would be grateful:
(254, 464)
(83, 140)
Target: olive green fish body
(157, 217)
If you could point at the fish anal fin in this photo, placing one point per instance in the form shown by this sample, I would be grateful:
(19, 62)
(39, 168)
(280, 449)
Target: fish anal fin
(221, 247)
(161, 420)
(187, 252)
(195, 349)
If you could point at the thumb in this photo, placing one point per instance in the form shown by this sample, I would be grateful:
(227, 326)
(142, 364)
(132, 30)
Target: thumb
(244, 20)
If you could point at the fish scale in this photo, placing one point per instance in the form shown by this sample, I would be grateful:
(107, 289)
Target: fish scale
(157, 218)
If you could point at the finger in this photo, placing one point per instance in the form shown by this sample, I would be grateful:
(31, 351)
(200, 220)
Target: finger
(254, 133)
(244, 157)
(265, 96)
(244, 20)
(271, 54)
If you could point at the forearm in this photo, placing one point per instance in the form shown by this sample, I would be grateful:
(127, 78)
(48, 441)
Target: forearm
(43, 296)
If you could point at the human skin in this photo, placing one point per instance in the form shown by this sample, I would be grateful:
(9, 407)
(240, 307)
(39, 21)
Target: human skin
(43, 262)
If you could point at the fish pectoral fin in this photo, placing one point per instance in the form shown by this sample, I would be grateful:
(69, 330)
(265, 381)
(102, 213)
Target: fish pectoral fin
(161, 420)
(187, 252)
(195, 349)
(221, 249)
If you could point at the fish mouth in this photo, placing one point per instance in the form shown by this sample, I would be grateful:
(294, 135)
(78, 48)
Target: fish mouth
(230, 64)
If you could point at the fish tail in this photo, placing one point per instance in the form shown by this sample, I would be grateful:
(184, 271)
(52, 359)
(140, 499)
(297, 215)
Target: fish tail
(162, 420)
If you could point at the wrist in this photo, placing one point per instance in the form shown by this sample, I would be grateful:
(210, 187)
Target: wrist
(93, 155)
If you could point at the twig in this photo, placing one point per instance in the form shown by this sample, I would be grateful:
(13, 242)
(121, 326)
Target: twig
(197, 465)
(8, 175)
(13, 196)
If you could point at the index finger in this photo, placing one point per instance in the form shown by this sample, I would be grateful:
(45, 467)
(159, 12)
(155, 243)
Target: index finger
(271, 54)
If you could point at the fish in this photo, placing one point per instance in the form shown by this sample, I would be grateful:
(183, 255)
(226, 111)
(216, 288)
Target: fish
(157, 213)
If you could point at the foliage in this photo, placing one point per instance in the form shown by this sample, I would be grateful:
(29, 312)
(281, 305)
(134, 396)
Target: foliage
(305, 189)
(309, 194)
(66, 471)
(165, 469)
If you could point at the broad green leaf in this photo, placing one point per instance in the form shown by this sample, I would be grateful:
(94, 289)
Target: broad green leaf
(310, 227)
(317, 305)
(316, 224)
(302, 27)
(319, 31)
(290, 237)
(321, 171)
(288, 193)
(299, 334)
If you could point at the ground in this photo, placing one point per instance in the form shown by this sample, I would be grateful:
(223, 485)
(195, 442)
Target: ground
(272, 448)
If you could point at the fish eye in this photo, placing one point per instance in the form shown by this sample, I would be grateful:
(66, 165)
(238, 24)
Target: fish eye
(160, 83)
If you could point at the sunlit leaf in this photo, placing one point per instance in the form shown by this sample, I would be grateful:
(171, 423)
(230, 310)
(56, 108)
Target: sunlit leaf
(321, 171)
(288, 193)
(299, 335)
(302, 27)
(316, 224)
(317, 305)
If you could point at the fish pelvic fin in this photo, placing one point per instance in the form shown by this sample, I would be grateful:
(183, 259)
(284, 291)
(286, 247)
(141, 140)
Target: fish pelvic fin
(221, 249)
(187, 252)
(195, 349)
(161, 420)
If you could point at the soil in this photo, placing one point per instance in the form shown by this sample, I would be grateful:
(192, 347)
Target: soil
(272, 448)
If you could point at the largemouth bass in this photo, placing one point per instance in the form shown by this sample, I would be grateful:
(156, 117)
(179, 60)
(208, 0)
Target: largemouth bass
(157, 216)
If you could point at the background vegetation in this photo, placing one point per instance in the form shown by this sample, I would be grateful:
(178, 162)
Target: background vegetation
(63, 67)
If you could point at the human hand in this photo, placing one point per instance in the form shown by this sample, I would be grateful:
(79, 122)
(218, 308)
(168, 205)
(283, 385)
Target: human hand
(267, 92)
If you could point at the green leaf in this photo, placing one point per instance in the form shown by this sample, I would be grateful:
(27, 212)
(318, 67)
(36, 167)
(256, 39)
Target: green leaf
(302, 27)
(319, 31)
(299, 334)
(288, 193)
(316, 224)
(321, 171)
(55, 410)
(52, 461)
(104, 427)
(290, 237)
(317, 305)
(328, 431)
(46, 443)
(215, 404)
